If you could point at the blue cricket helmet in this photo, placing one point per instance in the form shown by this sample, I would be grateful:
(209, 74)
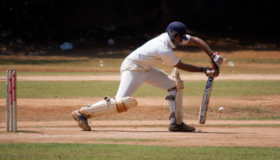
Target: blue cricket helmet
(177, 28)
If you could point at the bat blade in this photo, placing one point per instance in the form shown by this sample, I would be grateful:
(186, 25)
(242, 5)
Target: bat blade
(205, 100)
(206, 97)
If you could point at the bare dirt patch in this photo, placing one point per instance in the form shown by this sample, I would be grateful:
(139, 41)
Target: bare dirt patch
(160, 136)
(50, 121)
(155, 108)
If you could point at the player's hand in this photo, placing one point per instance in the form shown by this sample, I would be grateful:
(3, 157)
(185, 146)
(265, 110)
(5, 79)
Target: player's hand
(216, 59)
(210, 72)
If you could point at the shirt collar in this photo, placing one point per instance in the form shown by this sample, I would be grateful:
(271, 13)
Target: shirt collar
(169, 42)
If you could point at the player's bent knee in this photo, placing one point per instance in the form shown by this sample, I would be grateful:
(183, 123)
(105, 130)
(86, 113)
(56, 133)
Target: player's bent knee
(109, 106)
(180, 85)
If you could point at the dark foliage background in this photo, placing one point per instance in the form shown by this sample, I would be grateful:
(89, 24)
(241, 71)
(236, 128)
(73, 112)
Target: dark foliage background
(50, 21)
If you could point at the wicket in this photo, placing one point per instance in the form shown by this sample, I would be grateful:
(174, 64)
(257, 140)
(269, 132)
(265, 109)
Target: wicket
(11, 100)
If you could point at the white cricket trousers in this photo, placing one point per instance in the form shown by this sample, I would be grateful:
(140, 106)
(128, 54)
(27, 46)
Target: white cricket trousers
(131, 80)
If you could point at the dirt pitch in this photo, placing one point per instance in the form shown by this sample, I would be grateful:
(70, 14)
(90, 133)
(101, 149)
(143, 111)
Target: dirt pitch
(49, 121)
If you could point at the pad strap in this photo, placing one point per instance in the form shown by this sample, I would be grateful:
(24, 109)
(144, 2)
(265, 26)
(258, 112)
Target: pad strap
(170, 97)
(120, 106)
(172, 89)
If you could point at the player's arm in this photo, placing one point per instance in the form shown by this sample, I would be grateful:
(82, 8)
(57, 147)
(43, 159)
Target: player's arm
(187, 67)
(192, 68)
(195, 41)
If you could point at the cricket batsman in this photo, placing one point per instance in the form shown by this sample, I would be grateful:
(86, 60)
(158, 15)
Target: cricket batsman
(138, 68)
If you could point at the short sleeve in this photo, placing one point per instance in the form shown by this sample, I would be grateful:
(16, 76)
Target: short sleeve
(169, 58)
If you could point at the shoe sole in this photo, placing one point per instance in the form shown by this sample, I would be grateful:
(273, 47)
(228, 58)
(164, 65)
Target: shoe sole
(180, 130)
(80, 125)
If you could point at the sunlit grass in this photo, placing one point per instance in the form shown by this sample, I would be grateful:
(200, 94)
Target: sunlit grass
(38, 89)
(119, 151)
(246, 62)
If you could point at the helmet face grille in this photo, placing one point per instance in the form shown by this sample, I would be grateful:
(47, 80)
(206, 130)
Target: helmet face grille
(172, 33)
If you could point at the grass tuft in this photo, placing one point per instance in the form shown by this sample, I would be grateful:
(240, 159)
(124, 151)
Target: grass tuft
(128, 140)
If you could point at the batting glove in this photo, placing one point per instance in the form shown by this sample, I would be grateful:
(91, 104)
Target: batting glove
(210, 72)
(216, 59)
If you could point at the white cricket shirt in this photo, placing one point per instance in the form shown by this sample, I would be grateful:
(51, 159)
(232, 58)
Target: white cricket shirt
(153, 52)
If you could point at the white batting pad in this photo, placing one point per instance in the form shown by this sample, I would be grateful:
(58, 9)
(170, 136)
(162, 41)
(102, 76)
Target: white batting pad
(179, 96)
(109, 106)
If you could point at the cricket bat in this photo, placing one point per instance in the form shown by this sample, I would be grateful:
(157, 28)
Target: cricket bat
(206, 98)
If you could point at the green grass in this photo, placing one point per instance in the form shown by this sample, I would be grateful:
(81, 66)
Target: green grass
(60, 73)
(60, 66)
(39, 62)
(128, 140)
(84, 63)
(88, 65)
(100, 89)
(118, 151)
(64, 89)
(246, 88)
(235, 60)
